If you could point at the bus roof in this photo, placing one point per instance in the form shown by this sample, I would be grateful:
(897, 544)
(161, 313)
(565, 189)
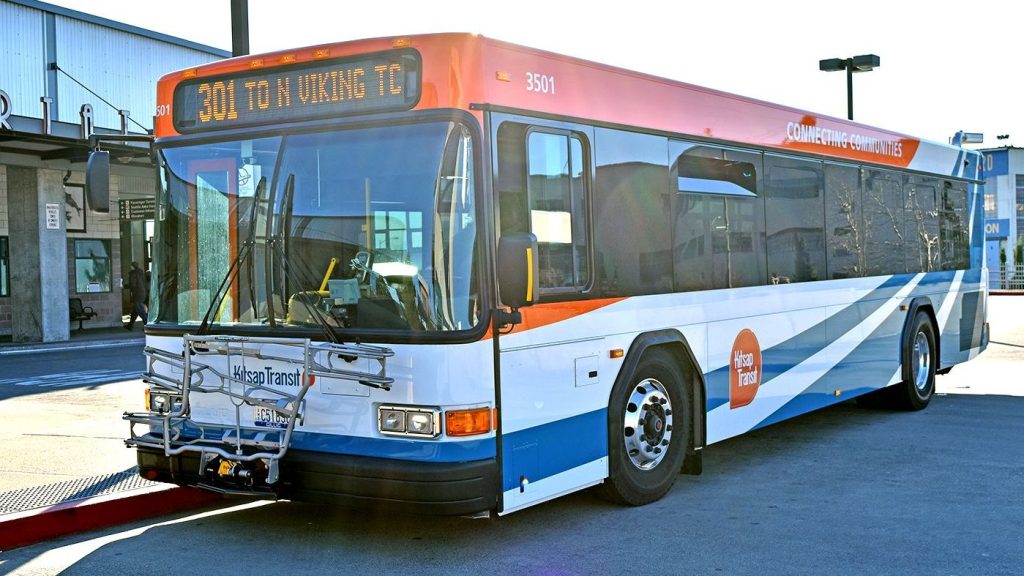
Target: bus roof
(466, 70)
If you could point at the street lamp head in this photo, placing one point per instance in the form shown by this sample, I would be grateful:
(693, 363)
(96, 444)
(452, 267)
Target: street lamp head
(862, 63)
(832, 65)
(865, 62)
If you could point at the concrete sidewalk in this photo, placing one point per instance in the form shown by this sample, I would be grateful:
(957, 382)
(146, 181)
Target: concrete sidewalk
(63, 464)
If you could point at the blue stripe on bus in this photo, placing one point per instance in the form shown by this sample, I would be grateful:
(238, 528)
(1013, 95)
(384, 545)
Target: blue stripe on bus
(396, 449)
(871, 364)
(791, 352)
(543, 451)
(787, 354)
(868, 367)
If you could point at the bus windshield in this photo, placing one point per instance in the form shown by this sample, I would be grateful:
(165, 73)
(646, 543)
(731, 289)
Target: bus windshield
(360, 229)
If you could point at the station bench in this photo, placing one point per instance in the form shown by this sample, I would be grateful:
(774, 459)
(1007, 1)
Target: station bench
(79, 312)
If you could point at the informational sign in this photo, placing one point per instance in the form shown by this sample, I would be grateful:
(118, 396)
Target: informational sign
(997, 163)
(137, 209)
(388, 81)
(997, 229)
(53, 216)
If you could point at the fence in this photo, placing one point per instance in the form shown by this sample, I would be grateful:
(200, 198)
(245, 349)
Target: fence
(1007, 277)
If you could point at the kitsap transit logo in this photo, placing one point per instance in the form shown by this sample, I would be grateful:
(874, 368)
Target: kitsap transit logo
(744, 369)
(267, 376)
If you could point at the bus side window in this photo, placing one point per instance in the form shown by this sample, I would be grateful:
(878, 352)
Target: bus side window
(541, 188)
(844, 230)
(795, 216)
(719, 223)
(954, 239)
(511, 179)
(557, 208)
(883, 223)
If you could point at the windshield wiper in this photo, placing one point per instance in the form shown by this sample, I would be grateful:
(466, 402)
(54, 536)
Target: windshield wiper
(277, 245)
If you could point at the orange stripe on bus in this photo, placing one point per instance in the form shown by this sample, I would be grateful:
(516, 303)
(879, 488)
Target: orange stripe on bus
(540, 315)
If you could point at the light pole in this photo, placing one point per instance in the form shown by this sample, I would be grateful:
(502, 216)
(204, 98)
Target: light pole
(862, 63)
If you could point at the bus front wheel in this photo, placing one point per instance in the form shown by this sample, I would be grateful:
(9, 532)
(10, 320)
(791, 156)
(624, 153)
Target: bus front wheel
(648, 431)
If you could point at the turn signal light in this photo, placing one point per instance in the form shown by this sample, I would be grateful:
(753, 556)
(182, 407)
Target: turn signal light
(468, 422)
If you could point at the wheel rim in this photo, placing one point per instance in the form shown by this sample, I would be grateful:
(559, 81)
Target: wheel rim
(922, 361)
(647, 424)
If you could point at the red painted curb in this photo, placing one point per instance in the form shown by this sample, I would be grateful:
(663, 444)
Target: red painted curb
(33, 526)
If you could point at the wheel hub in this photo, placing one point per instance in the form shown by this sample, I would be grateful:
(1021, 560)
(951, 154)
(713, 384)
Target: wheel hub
(647, 424)
(922, 361)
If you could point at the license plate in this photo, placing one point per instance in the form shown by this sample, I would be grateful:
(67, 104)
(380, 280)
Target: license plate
(267, 418)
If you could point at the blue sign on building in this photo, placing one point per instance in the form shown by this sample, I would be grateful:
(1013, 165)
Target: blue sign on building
(997, 163)
(997, 229)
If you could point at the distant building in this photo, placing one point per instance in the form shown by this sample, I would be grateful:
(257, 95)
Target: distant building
(1004, 204)
(63, 76)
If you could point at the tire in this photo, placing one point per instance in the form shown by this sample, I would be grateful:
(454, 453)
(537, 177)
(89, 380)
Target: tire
(920, 355)
(651, 404)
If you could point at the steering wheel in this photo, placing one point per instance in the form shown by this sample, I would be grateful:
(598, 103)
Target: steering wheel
(363, 263)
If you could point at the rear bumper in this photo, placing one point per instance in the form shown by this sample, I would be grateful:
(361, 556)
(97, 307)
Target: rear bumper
(440, 488)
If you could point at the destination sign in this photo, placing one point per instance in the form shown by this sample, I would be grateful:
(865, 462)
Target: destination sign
(338, 87)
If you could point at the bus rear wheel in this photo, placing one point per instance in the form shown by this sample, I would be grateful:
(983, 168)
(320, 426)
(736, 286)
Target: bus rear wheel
(648, 431)
(920, 355)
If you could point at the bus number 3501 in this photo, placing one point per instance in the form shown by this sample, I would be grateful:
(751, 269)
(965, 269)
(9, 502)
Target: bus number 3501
(540, 83)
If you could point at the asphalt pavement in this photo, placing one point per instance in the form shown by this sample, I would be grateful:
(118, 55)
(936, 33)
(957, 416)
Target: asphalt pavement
(844, 490)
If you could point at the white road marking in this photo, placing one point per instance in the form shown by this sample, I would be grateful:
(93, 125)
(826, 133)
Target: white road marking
(81, 378)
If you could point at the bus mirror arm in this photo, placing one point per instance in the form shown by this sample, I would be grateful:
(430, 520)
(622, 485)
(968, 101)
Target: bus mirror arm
(504, 318)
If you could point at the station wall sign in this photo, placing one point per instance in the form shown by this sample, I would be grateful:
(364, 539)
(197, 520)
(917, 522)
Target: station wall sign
(997, 163)
(137, 209)
(997, 229)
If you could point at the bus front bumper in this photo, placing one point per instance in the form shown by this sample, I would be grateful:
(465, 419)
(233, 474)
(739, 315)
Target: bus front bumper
(439, 488)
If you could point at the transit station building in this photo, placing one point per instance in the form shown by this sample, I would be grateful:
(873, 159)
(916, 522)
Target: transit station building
(66, 75)
(1004, 216)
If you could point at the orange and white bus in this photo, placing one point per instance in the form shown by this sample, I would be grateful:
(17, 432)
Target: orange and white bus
(454, 275)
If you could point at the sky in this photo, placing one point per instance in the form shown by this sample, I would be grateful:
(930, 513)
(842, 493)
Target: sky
(945, 66)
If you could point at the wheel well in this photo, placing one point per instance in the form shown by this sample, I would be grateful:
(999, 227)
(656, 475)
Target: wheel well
(673, 342)
(923, 305)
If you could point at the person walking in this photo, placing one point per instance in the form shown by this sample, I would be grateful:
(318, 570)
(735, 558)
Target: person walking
(137, 291)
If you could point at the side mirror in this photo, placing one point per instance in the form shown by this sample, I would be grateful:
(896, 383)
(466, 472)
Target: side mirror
(97, 181)
(518, 270)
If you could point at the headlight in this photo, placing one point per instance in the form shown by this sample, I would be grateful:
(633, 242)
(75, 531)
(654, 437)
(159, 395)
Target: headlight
(163, 403)
(392, 420)
(159, 403)
(420, 421)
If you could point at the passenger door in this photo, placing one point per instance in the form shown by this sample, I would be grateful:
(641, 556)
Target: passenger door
(553, 422)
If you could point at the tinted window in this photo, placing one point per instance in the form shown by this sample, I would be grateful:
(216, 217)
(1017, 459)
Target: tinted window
(510, 178)
(557, 205)
(954, 243)
(922, 224)
(883, 223)
(844, 228)
(795, 214)
(540, 179)
(718, 218)
(631, 214)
